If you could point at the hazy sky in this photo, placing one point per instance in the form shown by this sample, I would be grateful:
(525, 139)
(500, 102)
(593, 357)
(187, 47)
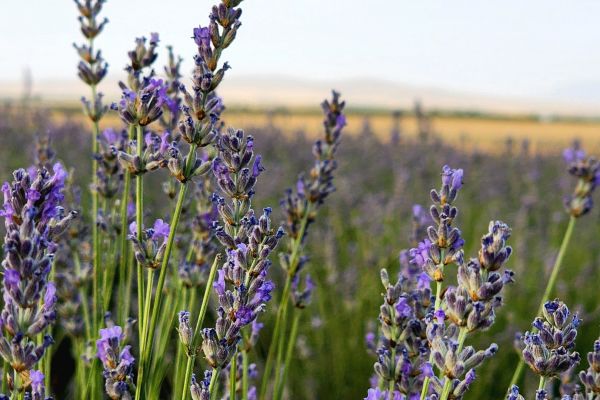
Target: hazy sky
(509, 47)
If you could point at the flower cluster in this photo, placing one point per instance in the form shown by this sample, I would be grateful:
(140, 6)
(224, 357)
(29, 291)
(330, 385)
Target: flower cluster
(156, 150)
(549, 350)
(245, 269)
(142, 56)
(203, 107)
(150, 250)
(92, 68)
(34, 219)
(249, 241)
(444, 245)
(301, 296)
(145, 105)
(473, 302)
(117, 362)
(587, 171)
(38, 389)
(419, 334)
(400, 364)
(456, 363)
(313, 190)
(200, 390)
(590, 378)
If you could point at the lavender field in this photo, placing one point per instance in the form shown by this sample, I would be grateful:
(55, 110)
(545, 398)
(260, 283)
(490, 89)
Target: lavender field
(153, 249)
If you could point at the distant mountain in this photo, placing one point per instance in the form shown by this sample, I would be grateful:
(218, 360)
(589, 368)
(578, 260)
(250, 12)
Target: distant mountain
(284, 91)
(578, 91)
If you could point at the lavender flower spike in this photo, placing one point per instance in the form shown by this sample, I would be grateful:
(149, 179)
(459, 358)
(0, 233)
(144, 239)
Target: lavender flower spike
(590, 378)
(549, 351)
(33, 219)
(587, 171)
(117, 361)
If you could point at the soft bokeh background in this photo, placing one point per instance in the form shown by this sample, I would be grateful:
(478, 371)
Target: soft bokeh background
(503, 87)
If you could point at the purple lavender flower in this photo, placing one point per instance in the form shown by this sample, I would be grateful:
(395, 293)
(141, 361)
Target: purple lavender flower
(200, 390)
(242, 285)
(33, 219)
(150, 250)
(548, 352)
(145, 106)
(38, 390)
(590, 378)
(587, 171)
(160, 229)
(444, 243)
(302, 297)
(117, 362)
(514, 394)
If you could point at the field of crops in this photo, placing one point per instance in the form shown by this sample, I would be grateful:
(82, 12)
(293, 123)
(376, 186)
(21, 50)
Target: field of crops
(169, 248)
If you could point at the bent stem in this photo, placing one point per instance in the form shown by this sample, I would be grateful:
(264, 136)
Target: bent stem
(548, 291)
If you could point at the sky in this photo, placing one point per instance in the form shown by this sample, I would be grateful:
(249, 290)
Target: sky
(540, 48)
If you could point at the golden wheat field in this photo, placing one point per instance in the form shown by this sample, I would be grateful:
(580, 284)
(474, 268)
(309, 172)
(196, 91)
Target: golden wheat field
(487, 134)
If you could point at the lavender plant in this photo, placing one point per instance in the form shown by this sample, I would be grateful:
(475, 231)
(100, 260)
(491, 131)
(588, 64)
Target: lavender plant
(91, 70)
(198, 128)
(300, 209)
(549, 350)
(248, 241)
(579, 203)
(590, 378)
(419, 335)
(33, 219)
(202, 243)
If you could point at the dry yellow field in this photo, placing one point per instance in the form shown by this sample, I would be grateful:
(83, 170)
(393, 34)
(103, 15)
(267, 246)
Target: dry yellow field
(471, 133)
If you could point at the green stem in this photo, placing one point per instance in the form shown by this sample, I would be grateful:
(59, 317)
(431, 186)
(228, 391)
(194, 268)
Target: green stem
(179, 357)
(139, 219)
(147, 301)
(124, 282)
(165, 261)
(542, 383)
(124, 289)
(557, 263)
(17, 394)
(233, 376)
(191, 358)
(213, 387)
(245, 381)
(5, 369)
(548, 291)
(438, 302)
(289, 352)
(281, 312)
(95, 232)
